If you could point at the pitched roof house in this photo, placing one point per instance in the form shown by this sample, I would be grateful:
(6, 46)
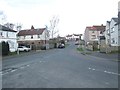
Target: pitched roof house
(9, 35)
(92, 33)
(114, 32)
(37, 37)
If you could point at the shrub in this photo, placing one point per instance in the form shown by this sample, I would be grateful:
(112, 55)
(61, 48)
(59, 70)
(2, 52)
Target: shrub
(5, 48)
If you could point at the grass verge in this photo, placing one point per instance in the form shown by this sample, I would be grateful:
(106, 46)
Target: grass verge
(80, 49)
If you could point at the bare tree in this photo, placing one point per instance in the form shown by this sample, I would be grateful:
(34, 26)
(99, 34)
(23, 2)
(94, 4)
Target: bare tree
(53, 25)
(13, 26)
(2, 18)
(18, 27)
(9, 25)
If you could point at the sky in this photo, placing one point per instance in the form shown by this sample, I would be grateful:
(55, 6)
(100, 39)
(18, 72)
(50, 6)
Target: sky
(74, 15)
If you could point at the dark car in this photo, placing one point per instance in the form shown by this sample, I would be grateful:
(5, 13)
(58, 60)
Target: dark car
(61, 45)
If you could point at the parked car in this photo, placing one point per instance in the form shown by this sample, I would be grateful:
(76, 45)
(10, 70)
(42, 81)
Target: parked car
(76, 43)
(24, 48)
(61, 45)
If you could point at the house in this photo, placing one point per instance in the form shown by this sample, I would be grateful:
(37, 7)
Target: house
(9, 35)
(36, 38)
(119, 23)
(107, 33)
(69, 37)
(92, 33)
(112, 35)
(74, 37)
(92, 36)
(114, 32)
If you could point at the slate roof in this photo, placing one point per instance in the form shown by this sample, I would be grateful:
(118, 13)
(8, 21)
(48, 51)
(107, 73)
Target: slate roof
(3, 28)
(115, 19)
(31, 32)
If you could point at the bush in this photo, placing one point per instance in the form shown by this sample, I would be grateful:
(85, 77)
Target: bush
(5, 48)
(80, 49)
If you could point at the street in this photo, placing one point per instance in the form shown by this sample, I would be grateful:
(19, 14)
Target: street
(59, 68)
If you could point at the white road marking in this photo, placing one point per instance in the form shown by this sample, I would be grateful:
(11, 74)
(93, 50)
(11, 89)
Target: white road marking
(104, 71)
(89, 68)
(27, 65)
(22, 67)
(106, 83)
(4, 73)
(13, 70)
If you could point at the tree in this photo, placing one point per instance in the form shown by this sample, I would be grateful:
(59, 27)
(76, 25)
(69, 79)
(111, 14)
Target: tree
(9, 25)
(18, 27)
(2, 17)
(5, 48)
(53, 25)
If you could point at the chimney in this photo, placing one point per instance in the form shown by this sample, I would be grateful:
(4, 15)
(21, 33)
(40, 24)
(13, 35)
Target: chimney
(32, 27)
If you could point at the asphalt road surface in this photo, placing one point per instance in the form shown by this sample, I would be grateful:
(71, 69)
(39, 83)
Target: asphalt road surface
(59, 68)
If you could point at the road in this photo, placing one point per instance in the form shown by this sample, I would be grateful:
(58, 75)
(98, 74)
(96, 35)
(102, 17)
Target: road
(59, 68)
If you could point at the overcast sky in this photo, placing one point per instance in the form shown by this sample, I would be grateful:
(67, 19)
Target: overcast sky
(74, 15)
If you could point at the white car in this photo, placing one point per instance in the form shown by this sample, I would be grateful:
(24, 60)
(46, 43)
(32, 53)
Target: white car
(24, 48)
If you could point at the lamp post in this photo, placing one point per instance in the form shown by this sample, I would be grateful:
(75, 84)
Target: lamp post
(80, 40)
(45, 36)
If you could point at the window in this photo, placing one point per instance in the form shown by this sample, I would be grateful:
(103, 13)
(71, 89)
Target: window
(112, 29)
(31, 36)
(93, 36)
(38, 36)
(24, 37)
(93, 31)
(108, 31)
(113, 40)
(7, 34)
(1, 34)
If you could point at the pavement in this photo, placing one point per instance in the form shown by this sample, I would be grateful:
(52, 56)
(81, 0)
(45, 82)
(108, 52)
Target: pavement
(108, 56)
(104, 55)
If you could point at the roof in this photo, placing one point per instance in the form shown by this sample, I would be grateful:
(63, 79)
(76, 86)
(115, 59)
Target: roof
(76, 34)
(69, 36)
(31, 32)
(91, 28)
(96, 27)
(108, 21)
(3, 28)
(115, 19)
(100, 28)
